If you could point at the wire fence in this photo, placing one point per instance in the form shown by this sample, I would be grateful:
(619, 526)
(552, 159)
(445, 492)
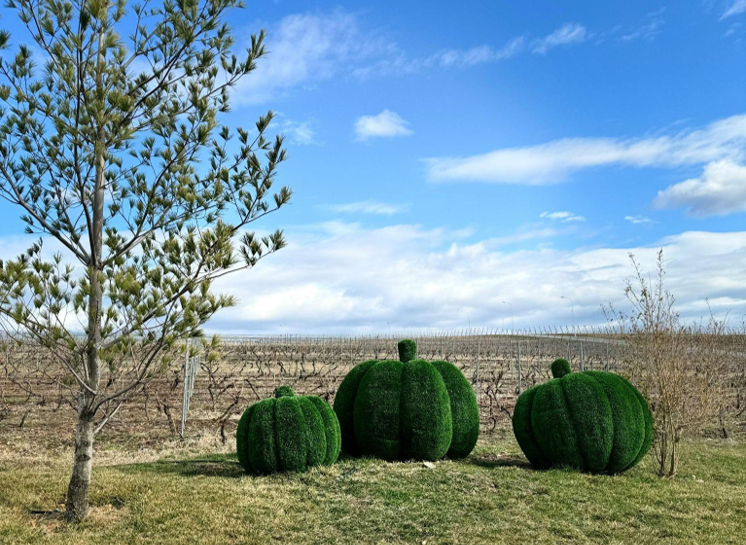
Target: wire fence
(210, 387)
(499, 366)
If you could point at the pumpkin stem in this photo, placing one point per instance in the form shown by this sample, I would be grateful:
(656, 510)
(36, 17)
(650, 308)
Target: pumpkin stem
(407, 350)
(560, 368)
(284, 391)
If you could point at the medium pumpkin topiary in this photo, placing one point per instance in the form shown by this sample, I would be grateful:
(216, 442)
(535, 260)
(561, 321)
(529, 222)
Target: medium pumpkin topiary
(592, 421)
(407, 409)
(287, 433)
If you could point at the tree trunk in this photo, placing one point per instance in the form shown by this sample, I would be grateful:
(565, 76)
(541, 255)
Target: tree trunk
(661, 448)
(674, 463)
(77, 492)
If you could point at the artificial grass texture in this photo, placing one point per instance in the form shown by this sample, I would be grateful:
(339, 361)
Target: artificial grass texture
(426, 423)
(407, 350)
(409, 409)
(344, 405)
(376, 411)
(560, 368)
(464, 409)
(592, 421)
(287, 433)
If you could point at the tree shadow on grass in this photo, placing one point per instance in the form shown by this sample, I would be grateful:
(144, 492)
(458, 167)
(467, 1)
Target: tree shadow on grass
(490, 461)
(223, 466)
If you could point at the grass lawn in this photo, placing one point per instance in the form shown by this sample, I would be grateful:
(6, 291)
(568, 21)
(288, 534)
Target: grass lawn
(491, 497)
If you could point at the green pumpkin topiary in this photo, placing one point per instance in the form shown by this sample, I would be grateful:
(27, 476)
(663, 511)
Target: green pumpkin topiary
(407, 409)
(287, 433)
(592, 421)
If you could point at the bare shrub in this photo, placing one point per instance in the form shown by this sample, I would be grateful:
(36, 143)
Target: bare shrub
(679, 367)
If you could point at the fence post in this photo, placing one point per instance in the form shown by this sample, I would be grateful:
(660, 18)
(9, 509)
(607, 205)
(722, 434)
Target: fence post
(479, 345)
(187, 389)
(520, 373)
(582, 358)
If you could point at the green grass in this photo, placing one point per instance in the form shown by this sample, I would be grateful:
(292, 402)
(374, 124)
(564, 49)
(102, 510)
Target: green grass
(492, 496)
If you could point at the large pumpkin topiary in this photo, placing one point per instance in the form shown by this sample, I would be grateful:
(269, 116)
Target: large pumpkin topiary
(287, 433)
(592, 421)
(407, 409)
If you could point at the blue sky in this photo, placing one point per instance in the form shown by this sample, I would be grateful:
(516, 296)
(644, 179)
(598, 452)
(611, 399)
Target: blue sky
(475, 162)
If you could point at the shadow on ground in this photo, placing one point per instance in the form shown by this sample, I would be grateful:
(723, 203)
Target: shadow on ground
(215, 466)
(493, 460)
(226, 465)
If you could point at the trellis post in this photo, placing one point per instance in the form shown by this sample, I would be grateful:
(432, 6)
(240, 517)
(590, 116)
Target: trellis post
(520, 373)
(189, 373)
(479, 345)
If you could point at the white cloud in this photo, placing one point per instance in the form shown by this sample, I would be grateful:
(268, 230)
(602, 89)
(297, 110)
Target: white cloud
(734, 28)
(304, 49)
(397, 62)
(721, 190)
(479, 55)
(552, 162)
(637, 220)
(647, 32)
(387, 124)
(342, 278)
(564, 216)
(570, 33)
(300, 133)
(736, 7)
(369, 207)
(308, 48)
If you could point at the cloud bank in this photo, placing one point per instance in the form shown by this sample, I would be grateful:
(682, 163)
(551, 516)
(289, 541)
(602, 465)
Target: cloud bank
(344, 278)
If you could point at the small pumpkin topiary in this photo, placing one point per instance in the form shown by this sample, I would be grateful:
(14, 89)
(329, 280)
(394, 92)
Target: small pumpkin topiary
(287, 433)
(592, 421)
(407, 409)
